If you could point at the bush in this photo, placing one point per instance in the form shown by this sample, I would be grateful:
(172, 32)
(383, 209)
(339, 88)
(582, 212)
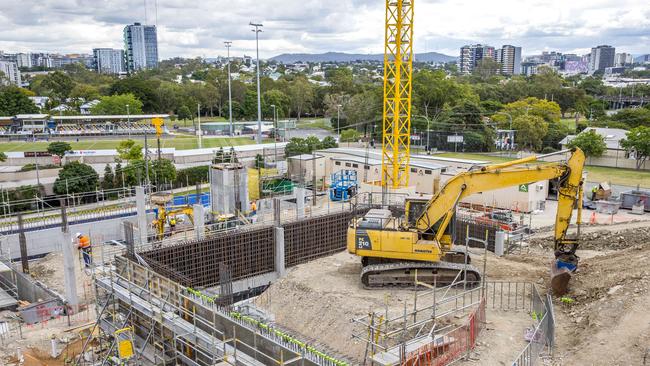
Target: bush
(30, 167)
(549, 150)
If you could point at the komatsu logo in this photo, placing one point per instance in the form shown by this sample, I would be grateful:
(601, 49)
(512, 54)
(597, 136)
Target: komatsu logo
(363, 242)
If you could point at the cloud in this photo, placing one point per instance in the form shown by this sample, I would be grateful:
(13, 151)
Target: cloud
(194, 28)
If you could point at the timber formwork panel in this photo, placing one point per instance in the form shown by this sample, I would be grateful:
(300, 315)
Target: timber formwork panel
(196, 264)
(463, 224)
(316, 237)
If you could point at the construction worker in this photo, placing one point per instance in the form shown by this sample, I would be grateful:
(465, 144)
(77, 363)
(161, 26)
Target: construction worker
(83, 244)
(253, 208)
(594, 192)
(172, 223)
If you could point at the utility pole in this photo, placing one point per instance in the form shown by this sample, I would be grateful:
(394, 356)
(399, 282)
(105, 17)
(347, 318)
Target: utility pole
(146, 160)
(275, 136)
(198, 116)
(232, 128)
(257, 31)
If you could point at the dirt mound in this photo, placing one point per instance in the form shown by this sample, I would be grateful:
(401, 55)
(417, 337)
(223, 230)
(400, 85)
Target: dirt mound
(606, 321)
(604, 239)
(49, 270)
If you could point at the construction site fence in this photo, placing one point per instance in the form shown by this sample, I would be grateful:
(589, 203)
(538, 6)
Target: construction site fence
(458, 342)
(541, 339)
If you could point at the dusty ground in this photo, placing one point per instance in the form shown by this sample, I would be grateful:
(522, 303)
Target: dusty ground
(49, 271)
(607, 324)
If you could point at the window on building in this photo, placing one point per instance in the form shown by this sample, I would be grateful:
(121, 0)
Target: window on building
(426, 171)
(337, 163)
(414, 170)
(355, 165)
(366, 167)
(347, 164)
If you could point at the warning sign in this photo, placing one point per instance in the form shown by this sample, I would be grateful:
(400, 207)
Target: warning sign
(523, 188)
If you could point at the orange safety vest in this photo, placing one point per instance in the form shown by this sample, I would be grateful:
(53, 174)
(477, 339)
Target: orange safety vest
(84, 242)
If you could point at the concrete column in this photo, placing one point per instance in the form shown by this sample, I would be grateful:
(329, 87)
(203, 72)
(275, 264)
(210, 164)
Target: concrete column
(243, 189)
(300, 202)
(499, 243)
(69, 272)
(199, 221)
(142, 215)
(279, 251)
(276, 211)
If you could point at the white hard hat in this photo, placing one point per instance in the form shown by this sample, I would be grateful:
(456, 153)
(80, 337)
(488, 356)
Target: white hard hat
(78, 235)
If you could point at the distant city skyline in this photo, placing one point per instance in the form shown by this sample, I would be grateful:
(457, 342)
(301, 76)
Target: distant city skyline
(190, 29)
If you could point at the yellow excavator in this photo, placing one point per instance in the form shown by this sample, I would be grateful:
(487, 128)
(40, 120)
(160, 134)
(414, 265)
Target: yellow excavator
(395, 250)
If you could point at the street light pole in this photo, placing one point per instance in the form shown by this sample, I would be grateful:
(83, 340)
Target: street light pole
(198, 116)
(232, 128)
(257, 31)
(275, 135)
(128, 119)
(338, 119)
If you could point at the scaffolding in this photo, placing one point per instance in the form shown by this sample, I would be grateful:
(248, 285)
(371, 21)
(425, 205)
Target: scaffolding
(172, 324)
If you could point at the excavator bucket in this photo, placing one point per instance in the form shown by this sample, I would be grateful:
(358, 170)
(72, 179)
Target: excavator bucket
(561, 271)
(560, 277)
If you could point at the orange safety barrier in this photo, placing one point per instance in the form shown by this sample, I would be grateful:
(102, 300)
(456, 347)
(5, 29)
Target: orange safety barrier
(451, 346)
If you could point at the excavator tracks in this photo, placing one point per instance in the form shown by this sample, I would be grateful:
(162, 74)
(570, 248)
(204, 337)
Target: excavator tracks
(402, 274)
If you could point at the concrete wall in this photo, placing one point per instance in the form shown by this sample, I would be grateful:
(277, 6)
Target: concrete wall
(45, 241)
(18, 176)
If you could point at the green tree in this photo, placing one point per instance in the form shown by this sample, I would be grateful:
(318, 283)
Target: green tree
(76, 177)
(296, 146)
(3, 157)
(301, 94)
(362, 108)
(59, 148)
(633, 117)
(593, 86)
(84, 91)
(164, 172)
(329, 142)
(58, 85)
(591, 143)
(432, 91)
(119, 174)
(486, 69)
(259, 161)
(341, 80)
(145, 90)
(531, 130)
(637, 143)
(116, 104)
(14, 101)
(277, 98)
(547, 110)
(129, 150)
(184, 113)
(108, 181)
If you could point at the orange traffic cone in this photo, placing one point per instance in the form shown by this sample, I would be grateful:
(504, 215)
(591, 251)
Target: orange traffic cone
(592, 220)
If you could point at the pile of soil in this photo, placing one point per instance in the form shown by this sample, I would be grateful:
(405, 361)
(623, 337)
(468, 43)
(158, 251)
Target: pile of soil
(49, 271)
(614, 238)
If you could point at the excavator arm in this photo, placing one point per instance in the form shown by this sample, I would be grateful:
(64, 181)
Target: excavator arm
(437, 213)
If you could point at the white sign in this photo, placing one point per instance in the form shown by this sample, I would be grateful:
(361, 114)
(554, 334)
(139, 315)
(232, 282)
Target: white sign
(455, 138)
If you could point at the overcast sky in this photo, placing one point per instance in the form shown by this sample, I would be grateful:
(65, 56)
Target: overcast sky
(191, 28)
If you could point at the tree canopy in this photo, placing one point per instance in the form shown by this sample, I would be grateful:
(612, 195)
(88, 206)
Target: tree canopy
(117, 105)
(591, 143)
(76, 177)
(637, 142)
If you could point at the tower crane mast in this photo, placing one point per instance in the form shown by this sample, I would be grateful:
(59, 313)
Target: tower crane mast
(398, 71)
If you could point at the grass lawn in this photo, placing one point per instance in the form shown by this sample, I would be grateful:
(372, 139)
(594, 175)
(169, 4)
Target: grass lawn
(625, 177)
(180, 143)
(569, 122)
(323, 123)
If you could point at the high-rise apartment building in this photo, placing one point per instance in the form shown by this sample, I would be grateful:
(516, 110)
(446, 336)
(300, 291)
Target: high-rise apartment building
(510, 59)
(109, 61)
(622, 59)
(24, 59)
(10, 72)
(471, 56)
(140, 47)
(601, 58)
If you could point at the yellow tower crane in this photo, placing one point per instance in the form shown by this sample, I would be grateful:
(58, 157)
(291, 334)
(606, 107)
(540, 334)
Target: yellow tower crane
(398, 71)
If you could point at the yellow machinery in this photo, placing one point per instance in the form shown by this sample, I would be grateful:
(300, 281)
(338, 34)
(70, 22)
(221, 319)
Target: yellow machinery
(164, 215)
(393, 248)
(398, 71)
